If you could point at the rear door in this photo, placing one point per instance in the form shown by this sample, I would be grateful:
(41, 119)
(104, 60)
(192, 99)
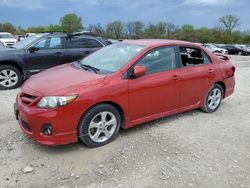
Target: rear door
(197, 74)
(79, 47)
(158, 90)
(49, 54)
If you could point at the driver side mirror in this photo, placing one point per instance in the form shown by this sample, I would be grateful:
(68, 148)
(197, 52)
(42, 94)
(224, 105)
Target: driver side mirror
(33, 49)
(139, 71)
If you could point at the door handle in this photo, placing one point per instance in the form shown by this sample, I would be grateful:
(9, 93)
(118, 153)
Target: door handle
(210, 70)
(175, 77)
(87, 52)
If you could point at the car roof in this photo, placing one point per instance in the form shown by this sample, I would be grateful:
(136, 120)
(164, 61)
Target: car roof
(65, 34)
(159, 42)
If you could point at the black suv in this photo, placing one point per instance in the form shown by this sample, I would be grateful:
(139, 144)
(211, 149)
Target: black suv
(40, 52)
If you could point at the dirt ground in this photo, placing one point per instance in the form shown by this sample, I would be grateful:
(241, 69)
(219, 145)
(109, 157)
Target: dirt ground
(191, 149)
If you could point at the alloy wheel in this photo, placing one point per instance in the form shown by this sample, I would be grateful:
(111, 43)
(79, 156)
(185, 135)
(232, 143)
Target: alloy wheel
(214, 98)
(102, 126)
(8, 78)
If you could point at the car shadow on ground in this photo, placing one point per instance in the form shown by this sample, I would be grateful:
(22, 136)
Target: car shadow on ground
(74, 147)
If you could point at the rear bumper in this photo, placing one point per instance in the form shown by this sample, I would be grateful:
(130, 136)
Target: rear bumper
(230, 85)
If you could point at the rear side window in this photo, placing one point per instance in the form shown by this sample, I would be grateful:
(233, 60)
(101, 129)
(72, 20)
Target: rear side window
(83, 43)
(158, 60)
(193, 56)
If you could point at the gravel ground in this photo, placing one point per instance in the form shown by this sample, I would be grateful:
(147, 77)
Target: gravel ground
(191, 149)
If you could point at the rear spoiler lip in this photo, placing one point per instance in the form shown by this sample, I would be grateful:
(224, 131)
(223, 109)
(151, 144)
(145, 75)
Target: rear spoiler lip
(222, 57)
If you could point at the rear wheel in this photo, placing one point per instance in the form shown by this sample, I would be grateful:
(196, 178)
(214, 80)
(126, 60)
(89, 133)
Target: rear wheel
(10, 77)
(240, 53)
(99, 126)
(213, 99)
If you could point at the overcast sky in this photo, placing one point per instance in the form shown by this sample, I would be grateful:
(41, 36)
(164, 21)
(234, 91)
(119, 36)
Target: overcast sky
(196, 12)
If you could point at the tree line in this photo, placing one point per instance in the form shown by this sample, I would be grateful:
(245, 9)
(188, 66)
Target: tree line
(225, 32)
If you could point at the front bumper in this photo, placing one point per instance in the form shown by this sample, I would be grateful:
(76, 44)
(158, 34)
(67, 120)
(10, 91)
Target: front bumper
(64, 122)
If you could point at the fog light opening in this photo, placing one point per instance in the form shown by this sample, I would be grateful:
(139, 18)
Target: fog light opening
(47, 130)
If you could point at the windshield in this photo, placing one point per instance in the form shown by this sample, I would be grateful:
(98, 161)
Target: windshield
(112, 58)
(26, 41)
(6, 36)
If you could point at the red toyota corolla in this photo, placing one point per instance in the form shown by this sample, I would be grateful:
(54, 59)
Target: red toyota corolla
(120, 86)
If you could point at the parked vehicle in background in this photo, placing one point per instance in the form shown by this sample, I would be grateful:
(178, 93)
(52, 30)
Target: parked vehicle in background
(120, 86)
(244, 47)
(20, 37)
(7, 39)
(234, 50)
(215, 49)
(113, 41)
(29, 34)
(40, 52)
(1, 44)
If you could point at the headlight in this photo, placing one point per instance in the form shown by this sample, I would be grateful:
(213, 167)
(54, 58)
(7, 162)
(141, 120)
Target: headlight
(55, 101)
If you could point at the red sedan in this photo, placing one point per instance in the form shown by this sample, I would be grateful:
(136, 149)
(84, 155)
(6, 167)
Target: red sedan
(120, 86)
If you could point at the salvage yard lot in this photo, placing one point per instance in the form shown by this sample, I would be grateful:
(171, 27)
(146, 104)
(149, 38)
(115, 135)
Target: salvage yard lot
(189, 149)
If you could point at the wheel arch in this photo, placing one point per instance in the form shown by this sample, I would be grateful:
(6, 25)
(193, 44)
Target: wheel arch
(114, 104)
(14, 64)
(222, 84)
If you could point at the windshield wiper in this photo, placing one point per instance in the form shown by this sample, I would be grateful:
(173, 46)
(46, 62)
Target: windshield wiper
(94, 69)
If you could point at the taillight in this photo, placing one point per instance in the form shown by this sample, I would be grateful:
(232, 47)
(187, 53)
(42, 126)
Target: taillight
(230, 72)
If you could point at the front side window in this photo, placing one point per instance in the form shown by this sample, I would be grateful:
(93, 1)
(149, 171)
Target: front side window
(50, 43)
(158, 60)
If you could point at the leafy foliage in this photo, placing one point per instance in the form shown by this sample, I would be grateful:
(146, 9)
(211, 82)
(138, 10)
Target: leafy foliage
(225, 32)
(71, 23)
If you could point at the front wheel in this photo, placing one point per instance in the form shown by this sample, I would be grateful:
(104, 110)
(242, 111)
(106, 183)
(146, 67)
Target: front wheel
(10, 77)
(213, 99)
(99, 126)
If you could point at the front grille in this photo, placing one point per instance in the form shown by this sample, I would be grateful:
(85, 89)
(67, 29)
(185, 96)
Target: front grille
(9, 43)
(25, 125)
(27, 99)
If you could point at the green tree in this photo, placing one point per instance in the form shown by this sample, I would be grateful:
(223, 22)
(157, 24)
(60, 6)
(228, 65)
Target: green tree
(158, 30)
(7, 27)
(71, 23)
(54, 28)
(97, 29)
(134, 29)
(115, 29)
(170, 29)
(38, 29)
(229, 22)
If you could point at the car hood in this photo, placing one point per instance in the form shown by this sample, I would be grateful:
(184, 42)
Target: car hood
(62, 80)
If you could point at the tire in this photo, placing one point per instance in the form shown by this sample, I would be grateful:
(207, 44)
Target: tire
(213, 99)
(93, 129)
(10, 77)
(240, 53)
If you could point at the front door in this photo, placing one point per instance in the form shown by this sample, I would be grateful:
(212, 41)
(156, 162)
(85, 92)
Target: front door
(49, 53)
(158, 90)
